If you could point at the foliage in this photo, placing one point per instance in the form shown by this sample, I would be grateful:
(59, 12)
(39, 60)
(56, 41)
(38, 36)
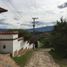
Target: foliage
(22, 60)
(58, 38)
(27, 35)
(44, 41)
(58, 59)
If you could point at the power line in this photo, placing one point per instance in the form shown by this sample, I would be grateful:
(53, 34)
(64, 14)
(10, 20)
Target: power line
(8, 5)
(13, 10)
(13, 7)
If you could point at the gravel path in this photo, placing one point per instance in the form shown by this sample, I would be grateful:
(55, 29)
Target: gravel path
(41, 58)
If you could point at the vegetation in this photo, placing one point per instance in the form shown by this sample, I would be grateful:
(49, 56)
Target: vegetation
(58, 59)
(22, 60)
(58, 38)
(44, 40)
(58, 41)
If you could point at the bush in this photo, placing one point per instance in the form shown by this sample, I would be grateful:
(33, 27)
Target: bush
(58, 38)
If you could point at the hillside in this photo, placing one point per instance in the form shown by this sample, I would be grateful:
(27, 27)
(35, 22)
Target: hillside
(42, 29)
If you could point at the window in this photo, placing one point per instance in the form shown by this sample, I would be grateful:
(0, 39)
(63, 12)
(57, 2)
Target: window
(4, 46)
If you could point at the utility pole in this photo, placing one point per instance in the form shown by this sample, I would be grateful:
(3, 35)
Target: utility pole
(34, 23)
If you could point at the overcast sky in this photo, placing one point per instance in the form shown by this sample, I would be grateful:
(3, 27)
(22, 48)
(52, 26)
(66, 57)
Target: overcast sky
(20, 12)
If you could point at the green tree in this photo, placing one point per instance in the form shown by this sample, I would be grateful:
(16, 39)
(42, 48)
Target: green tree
(58, 38)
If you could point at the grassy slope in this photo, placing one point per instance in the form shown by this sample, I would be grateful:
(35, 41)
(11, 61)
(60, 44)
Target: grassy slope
(22, 60)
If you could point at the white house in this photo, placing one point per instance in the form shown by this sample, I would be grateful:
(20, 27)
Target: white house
(10, 43)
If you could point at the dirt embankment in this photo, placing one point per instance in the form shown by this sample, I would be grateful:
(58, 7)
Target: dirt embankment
(7, 61)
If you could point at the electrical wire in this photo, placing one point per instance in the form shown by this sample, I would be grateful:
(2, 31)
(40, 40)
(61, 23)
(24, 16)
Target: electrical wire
(12, 9)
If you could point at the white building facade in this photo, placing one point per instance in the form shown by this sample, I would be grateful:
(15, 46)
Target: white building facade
(10, 43)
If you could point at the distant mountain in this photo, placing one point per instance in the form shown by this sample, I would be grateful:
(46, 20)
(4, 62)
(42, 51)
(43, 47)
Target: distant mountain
(3, 30)
(42, 29)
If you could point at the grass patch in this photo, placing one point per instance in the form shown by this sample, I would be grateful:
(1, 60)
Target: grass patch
(58, 59)
(22, 60)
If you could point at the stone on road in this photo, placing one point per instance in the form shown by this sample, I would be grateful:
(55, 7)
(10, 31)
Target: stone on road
(41, 58)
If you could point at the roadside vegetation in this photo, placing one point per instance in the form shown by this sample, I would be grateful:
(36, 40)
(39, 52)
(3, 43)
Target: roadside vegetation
(58, 59)
(58, 41)
(23, 59)
(44, 41)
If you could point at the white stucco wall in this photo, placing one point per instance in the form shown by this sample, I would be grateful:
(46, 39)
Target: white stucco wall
(6, 36)
(8, 46)
(26, 45)
(15, 36)
(31, 46)
(9, 36)
(16, 45)
(21, 44)
(13, 45)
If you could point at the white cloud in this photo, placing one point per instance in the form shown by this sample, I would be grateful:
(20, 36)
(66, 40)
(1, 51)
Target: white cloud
(22, 11)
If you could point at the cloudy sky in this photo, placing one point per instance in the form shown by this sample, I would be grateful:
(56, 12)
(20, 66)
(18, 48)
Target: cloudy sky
(20, 12)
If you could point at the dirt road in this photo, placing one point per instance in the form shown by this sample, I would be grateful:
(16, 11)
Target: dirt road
(41, 58)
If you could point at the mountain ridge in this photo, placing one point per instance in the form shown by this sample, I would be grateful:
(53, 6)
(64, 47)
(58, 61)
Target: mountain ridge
(42, 29)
